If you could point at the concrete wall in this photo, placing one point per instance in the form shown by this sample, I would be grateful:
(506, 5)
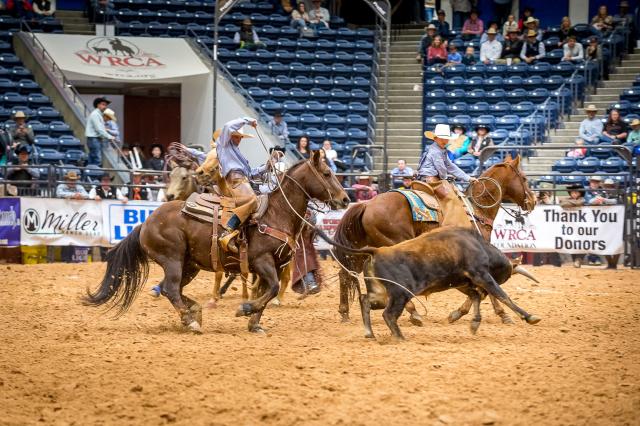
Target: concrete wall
(196, 110)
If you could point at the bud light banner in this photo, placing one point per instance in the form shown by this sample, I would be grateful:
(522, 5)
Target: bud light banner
(56, 222)
(549, 228)
(9, 221)
(121, 218)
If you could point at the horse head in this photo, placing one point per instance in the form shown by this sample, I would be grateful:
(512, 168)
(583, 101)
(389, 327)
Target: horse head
(208, 174)
(515, 187)
(181, 183)
(319, 182)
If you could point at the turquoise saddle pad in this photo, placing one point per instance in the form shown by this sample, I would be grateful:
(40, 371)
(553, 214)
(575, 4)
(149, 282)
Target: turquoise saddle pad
(419, 210)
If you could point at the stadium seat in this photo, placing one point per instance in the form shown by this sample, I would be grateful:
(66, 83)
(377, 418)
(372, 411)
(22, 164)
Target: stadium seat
(613, 165)
(340, 95)
(508, 122)
(284, 82)
(356, 107)
(265, 81)
(452, 96)
(500, 108)
(565, 165)
(542, 69)
(315, 107)
(478, 108)
(335, 134)
(278, 94)
(521, 69)
(588, 164)
(270, 106)
(457, 108)
(319, 94)
(258, 93)
(357, 121)
(293, 107)
(299, 94)
(467, 163)
(50, 156)
(337, 107)
(486, 120)
(68, 142)
(75, 156)
(44, 141)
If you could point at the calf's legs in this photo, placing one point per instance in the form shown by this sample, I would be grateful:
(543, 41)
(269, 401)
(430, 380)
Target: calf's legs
(485, 281)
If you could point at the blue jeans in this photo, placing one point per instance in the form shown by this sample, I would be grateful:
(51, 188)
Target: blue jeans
(458, 20)
(610, 141)
(95, 151)
(298, 23)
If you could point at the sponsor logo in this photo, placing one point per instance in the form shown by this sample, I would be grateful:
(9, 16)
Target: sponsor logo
(124, 219)
(9, 218)
(31, 221)
(63, 224)
(118, 54)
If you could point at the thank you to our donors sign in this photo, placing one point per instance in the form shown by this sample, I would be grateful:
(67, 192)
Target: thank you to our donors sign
(120, 219)
(596, 230)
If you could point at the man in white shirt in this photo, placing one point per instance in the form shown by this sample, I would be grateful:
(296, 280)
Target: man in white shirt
(573, 51)
(95, 131)
(490, 50)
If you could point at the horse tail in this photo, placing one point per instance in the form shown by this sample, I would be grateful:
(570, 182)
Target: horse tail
(365, 250)
(127, 270)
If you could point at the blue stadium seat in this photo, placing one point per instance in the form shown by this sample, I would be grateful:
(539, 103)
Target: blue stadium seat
(315, 134)
(513, 82)
(478, 70)
(516, 95)
(623, 106)
(28, 86)
(59, 128)
(315, 107)
(318, 68)
(356, 107)
(18, 73)
(456, 82)
(486, 120)
(340, 95)
(45, 141)
(340, 69)
(357, 121)
(532, 82)
(563, 68)
(308, 119)
(336, 134)
(337, 107)
(539, 94)
(462, 120)
(11, 99)
(478, 108)
(9, 59)
(435, 82)
(324, 57)
(455, 70)
(588, 164)
(265, 81)
(244, 56)
(361, 70)
(258, 93)
(523, 109)
(295, 133)
(359, 95)
(356, 134)
(319, 94)
(499, 136)
(476, 95)
(508, 122)
(495, 96)
(521, 69)
(255, 67)
(437, 95)
(492, 83)
(278, 94)
(500, 108)
(496, 70)
(542, 69)
(293, 107)
(288, 118)
(361, 82)
(553, 82)
(433, 120)
(50, 156)
(631, 95)
(285, 43)
(345, 57)
(270, 106)
(325, 44)
(284, 81)
(435, 107)
(75, 156)
(38, 127)
(7, 85)
(613, 165)
(236, 67)
(299, 94)
(457, 108)
(467, 163)
(305, 57)
(452, 96)
(554, 56)
(473, 82)
(565, 165)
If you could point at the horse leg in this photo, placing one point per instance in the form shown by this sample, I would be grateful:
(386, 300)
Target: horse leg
(188, 274)
(216, 291)
(499, 310)
(488, 284)
(172, 290)
(477, 317)
(285, 278)
(266, 270)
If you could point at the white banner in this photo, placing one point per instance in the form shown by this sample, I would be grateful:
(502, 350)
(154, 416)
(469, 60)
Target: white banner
(596, 230)
(122, 58)
(328, 222)
(57, 222)
(119, 219)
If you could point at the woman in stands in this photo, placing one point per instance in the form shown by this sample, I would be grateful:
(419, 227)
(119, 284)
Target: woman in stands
(565, 30)
(615, 130)
(437, 53)
(481, 141)
(300, 18)
(111, 125)
(156, 162)
(303, 147)
(602, 21)
(460, 146)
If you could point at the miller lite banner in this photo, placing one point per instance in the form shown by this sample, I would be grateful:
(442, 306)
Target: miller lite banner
(122, 58)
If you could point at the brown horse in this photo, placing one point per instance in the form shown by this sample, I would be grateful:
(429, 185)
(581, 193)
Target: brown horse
(181, 246)
(386, 220)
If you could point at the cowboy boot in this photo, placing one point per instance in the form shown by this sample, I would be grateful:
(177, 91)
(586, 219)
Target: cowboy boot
(226, 241)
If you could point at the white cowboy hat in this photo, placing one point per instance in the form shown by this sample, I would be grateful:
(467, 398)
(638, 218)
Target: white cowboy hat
(110, 113)
(442, 131)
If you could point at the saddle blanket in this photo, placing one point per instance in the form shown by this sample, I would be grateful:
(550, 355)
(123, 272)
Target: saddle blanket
(420, 212)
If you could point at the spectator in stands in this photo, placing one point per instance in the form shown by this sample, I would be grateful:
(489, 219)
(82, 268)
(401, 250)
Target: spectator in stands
(425, 42)
(284, 6)
(461, 9)
(511, 48)
(623, 14)
(473, 27)
(634, 134)
(593, 51)
(155, 187)
(485, 36)
(5, 146)
(573, 51)
(332, 155)
(481, 141)
(279, 127)
(22, 171)
(303, 147)
(247, 37)
(459, 146)
(405, 183)
(579, 152)
(319, 16)
(454, 57)
(591, 127)
(138, 189)
(510, 25)
(364, 189)
(533, 49)
(442, 27)
(602, 21)
(611, 192)
(156, 162)
(595, 195)
(575, 199)
(21, 133)
(437, 53)
(95, 131)
(300, 17)
(71, 189)
(329, 162)
(400, 172)
(526, 14)
(615, 129)
(44, 8)
(490, 50)
(105, 191)
(469, 57)
(565, 30)
(111, 125)
(531, 24)
(20, 8)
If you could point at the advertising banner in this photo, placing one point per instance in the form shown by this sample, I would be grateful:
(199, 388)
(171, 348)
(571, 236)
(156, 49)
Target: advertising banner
(119, 219)
(9, 221)
(328, 222)
(55, 222)
(596, 230)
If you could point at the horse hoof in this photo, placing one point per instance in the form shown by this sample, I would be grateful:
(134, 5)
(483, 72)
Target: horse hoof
(244, 310)
(506, 319)
(369, 335)
(416, 320)
(258, 330)
(211, 304)
(454, 316)
(344, 317)
(276, 302)
(474, 326)
(532, 319)
(195, 327)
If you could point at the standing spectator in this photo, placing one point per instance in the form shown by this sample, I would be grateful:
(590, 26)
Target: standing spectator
(575, 199)
(501, 10)
(365, 190)
(43, 8)
(485, 36)
(20, 8)
(531, 24)
(591, 127)
(615, 130)
(623, 14)
(247, 37)
(511, 48)
(526, 13)
(21, 133)
(95, 131)
(300, 17)
(319, 16)
(533, 49)
(490, 50)
(23, 171)
(105, 191)
(469, 57)
(70, 189)
(425, 41)
(303, 147)
(634, 134)
(473, 27)
(602, 21)
(442, 27)
(400, 172)
(111, 125)
(279, 127)
(510, 25)
(454, 57)
(461, 9)
(579, 152)
(573, 51)
(481, 141)
(156, 162)
(565, 30)
(437, 53)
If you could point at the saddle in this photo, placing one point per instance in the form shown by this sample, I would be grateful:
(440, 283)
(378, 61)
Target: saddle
(202, 206)
(424, 207)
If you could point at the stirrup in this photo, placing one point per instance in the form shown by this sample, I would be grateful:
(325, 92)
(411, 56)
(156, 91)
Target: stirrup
(226, 242)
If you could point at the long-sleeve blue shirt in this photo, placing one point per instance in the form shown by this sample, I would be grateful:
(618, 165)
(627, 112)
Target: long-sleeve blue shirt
(95, 126)
(65, 191)
(591, 129)
(229, 153)
(436, 162)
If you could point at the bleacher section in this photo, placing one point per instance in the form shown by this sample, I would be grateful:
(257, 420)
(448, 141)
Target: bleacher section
(321, 85)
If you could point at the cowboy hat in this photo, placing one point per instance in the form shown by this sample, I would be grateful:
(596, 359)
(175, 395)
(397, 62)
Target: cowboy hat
(110, 113)
(531, 20)
(442, 131)
(483, 126)
(609, 181)
(242, 135)
(106, 176)
(492, 31)
(19, 114)
(596, 178)
(576, 187)
(363, 177)
(431, 27)
(216, 134)
(591, 108)
(532, 33)
(72, 175)
(635, 122)
(96, 101)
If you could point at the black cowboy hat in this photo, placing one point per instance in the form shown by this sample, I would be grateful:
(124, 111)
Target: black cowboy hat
(23, 148)
(96, 101)
(576, 187)
(106, 175)
(483, 126)
(156, 145)
(459, 126)
(277, 114)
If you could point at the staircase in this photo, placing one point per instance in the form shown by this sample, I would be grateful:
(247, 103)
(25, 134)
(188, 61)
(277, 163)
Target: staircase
(73, 22)
(404, 103)
(607, 93)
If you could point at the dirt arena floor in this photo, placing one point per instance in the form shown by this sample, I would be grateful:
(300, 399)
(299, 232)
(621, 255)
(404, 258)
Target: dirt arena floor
(63, 363)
